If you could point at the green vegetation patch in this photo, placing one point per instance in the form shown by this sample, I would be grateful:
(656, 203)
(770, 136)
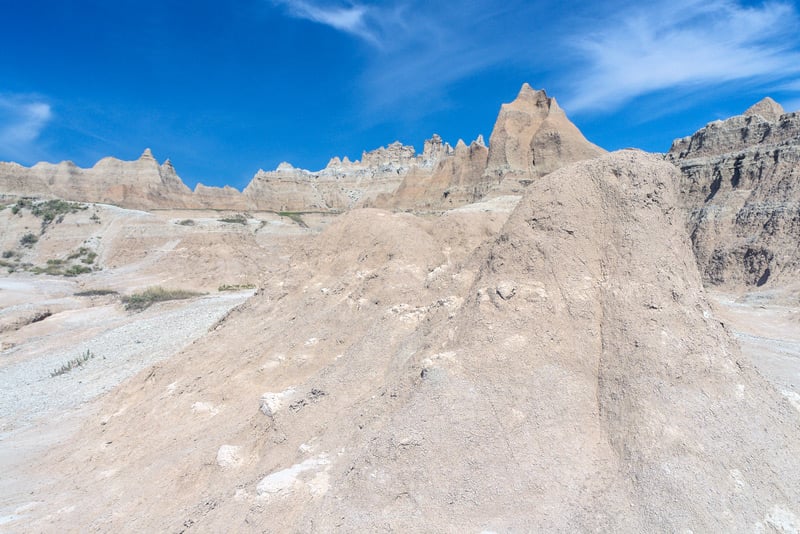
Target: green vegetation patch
(28, 240)
(48, 210)
(142, 301)
(235, 219)
(66, 267)
(75, 270)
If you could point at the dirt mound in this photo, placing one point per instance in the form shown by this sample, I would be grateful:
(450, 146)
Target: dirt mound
(567, 374)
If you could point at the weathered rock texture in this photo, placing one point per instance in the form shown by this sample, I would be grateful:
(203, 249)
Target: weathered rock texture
(533, 137)
(394, 176)
(741, 186)
(567, 374)
(454, 179)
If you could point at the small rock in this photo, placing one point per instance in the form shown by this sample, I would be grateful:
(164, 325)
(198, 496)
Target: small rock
(506, 290)
(272, 402)
(229, 456)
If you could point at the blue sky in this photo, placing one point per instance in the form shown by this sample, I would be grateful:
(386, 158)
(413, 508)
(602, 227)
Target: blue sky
(226, 88)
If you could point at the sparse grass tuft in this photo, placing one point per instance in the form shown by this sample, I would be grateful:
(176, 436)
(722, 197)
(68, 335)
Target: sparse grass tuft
(95, 293)
(186, 222)
(235, 219)
(235, 287)
(142, 301)
(72, 364)
(295, 216)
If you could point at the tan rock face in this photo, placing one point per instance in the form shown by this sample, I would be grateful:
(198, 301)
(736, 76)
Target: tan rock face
(451, 177)
(741, 188)
(340, 186)
(139, 184)
(533, 137)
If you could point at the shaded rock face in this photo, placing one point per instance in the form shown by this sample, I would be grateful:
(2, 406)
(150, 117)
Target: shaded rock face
(741, 187)
(533, 137)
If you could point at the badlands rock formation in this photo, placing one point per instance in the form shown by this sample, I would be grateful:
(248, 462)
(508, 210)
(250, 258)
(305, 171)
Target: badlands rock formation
(741, 187)
(564, 373)
(455, 180)
(140, 184)
(533, 137)
(393, 176)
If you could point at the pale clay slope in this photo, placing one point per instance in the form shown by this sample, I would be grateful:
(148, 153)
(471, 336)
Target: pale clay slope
(564, 372)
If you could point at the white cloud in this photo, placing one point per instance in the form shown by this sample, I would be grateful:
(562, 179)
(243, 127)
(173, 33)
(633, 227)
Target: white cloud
(22, 120)
(350, 19)
(683, 44)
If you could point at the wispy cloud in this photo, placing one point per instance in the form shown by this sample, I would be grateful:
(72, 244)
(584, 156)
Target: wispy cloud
(22, 120)
(350, 19)
(418, 48)
(690, 43)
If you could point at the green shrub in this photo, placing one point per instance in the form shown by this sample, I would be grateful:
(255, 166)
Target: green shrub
(89, 258)
(151, 295)
(75, 270)
(236, 219)
(8, 253)
(50, 209)
(28, 240)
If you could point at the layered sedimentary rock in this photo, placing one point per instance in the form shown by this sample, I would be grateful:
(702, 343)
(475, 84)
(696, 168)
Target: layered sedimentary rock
(341, 185)
(454, 180)
(140, 184)
(741, 187)
(532, 137)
